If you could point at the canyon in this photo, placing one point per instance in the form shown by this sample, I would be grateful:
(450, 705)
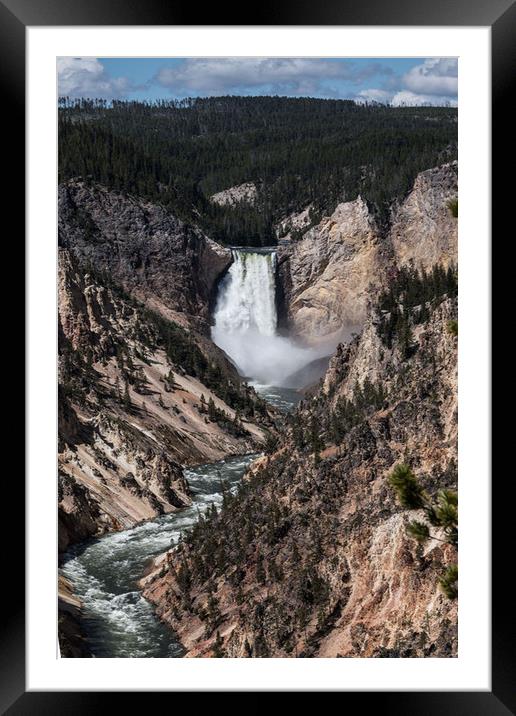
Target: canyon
(328, 276)
(314, 559)
(160, 328)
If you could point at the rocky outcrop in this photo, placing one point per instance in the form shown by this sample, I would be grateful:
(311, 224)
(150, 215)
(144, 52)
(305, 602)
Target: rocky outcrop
(170, 265)
(312, 558)
(72, 642)
(130, 415)
(423, 229)
(287, 229)
(79, 513)
(327, 278)
(243, 193)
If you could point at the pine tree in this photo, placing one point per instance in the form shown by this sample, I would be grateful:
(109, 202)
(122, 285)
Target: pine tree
(449, 581)
(441, 513)
(408, 490)
(127, 397)
(212, 410)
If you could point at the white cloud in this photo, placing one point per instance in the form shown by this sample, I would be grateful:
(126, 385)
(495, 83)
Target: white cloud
(435, 76)
(374, 95)
(411, 99)
(433, 82)
(289, 75)
(87, 77)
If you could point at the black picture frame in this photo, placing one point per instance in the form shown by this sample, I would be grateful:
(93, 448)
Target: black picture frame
(500, 15)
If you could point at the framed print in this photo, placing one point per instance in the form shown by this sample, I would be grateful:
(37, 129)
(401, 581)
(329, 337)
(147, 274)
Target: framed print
(258, 453)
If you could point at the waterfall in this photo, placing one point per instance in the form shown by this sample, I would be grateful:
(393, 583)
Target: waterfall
(246, 321)
(247, 296)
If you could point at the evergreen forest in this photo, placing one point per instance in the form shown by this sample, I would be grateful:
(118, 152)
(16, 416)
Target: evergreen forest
(297, 151)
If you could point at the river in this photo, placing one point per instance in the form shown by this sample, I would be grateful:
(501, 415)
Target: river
(104, 572)
(117, 620)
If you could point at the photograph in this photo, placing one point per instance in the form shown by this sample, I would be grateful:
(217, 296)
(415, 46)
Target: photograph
(258, 320)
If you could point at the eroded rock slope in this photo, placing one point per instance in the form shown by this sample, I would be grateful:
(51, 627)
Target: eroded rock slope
(139, 397)
(171, 266)
(312, 557)
(329, 276)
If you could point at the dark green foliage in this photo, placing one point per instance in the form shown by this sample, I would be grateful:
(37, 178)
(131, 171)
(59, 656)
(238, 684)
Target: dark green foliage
(348, 413)
(233, 425)
(449, 582)
(453, 206)
(441, 513)
(297, 150)
(184, 353)
(453, 328)
(271, 443)
(212, 610)
(412, 288)
(76, 372)
(313, 589)
(153, 331)
(316, 439)
(184, 577)
(409, 300)
(419, 531)
(446, 514)
(408, 490)
(127, 398)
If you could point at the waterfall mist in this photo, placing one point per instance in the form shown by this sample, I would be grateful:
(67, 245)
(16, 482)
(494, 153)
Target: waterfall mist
(246, 322)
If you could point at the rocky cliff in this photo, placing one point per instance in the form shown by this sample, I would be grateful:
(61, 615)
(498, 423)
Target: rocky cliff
(72, 642)
(243, 193)
(328, 277)
(171, 266)
(139, 397)
(312, 557)
(423, 229)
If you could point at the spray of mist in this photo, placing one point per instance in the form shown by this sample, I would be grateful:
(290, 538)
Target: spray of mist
(246, 322)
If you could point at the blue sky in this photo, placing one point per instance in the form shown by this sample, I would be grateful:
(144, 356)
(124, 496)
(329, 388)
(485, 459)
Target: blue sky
(410, 81)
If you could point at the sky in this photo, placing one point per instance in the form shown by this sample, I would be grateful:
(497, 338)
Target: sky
(396, 81)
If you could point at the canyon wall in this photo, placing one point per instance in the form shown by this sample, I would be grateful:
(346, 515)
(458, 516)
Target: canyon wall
(312, 558)
(325, 276)
(168, 264)
(328, 277)
(423, 229)
(130, 415)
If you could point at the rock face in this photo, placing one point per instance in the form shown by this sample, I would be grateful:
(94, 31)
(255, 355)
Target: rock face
(329, 276)
(129, 415)
(423, 229)
(246, 193)
(72, 642)
(326, 275)
(287, 227)
(171, 266)
(312, 558)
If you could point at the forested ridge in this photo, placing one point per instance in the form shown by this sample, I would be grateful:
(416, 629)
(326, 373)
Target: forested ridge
(298, 151)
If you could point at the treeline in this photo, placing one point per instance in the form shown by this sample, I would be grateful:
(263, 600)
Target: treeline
(409, 300)
(324, 426)
(297, 151)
